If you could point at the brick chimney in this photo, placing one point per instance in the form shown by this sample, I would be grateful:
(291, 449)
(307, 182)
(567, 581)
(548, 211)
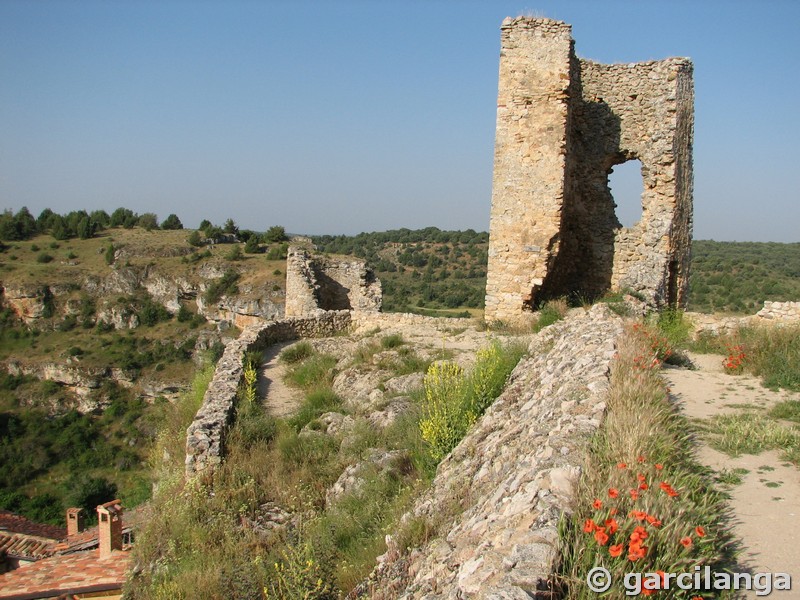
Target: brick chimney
(109, 517)
(74, 521)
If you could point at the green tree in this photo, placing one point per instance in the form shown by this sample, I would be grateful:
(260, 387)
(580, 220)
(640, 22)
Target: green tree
(86, 228)
(121, 217)
(194, 239)
(148, 221)
(101, 218)
(276, 233)
(230, 227)
(172, 222)
(251, 246)
(88, 492)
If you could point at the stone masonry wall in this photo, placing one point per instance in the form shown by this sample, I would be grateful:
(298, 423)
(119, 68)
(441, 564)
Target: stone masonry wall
(511, 478)
(780, 311)
(317, 283)
(529, 162)
(562, 125)
(205, 437)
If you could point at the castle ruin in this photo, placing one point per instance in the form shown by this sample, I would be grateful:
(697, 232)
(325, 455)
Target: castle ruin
(317, 283)
(563, 123)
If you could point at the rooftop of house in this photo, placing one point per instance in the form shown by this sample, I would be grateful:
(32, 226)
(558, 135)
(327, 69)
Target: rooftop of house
(13, 523)
(80, 572)
(27, 547)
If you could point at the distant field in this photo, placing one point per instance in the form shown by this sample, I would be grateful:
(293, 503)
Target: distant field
(431, 271)
(739, 276)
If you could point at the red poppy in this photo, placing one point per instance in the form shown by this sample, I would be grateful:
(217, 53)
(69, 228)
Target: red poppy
(622, 466)
(640, 477)
(615, 551)
(597, 504)
(634, 495)
(639, 515)
(653, 521)
(640, 459)
(639, 533)
(612, 526)
(659, 466)
(613, 492)
(643, 486)
(613, 511)
(589, 526)
(636, 551)
(699, 530)
(601, 537)
(686, 542)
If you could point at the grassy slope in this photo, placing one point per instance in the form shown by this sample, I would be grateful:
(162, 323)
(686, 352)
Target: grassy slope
(148, 353)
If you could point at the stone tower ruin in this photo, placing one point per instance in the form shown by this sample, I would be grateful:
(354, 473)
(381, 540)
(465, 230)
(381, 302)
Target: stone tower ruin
(563, 123)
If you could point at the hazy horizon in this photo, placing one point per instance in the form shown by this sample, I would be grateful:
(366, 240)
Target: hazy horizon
(346, 117)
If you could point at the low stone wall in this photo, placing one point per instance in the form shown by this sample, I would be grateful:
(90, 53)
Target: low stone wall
(364, 321)
(780, 311)
(510, 480)
(773, 313)
(205, 437)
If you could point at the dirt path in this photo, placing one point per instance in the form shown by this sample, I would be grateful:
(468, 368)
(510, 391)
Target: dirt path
(279, 399)
(766, 504)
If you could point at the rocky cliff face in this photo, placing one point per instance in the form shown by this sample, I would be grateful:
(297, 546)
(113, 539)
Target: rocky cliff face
(498, 496)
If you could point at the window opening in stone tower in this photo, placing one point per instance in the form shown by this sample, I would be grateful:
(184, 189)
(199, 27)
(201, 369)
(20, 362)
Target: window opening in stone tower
(625, 182)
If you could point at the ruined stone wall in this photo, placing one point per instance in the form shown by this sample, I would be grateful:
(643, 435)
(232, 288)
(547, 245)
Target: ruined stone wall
(318, 283)
(501, 492)
(205, 437)
(562, 124)
(780, 311)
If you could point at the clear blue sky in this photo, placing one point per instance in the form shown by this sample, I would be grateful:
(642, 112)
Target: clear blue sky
(340, 117)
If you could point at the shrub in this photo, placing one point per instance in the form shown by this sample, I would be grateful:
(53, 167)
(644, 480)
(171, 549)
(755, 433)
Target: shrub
(551, 312)
(184, 314)
(44, 258)
(296, 352)
(674, 325)
(453, 401)
(278, 252)
(109, 254)
(392, 341)
(317, 402)
(299, 575)
(317, 370)
(251, 246)
(151, 313)
(225, 285)
(445, 421)
(194, 239)
(235, 253)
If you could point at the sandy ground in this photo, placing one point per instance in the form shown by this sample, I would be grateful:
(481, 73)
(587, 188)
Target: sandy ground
(766, 505)
(280, 400)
